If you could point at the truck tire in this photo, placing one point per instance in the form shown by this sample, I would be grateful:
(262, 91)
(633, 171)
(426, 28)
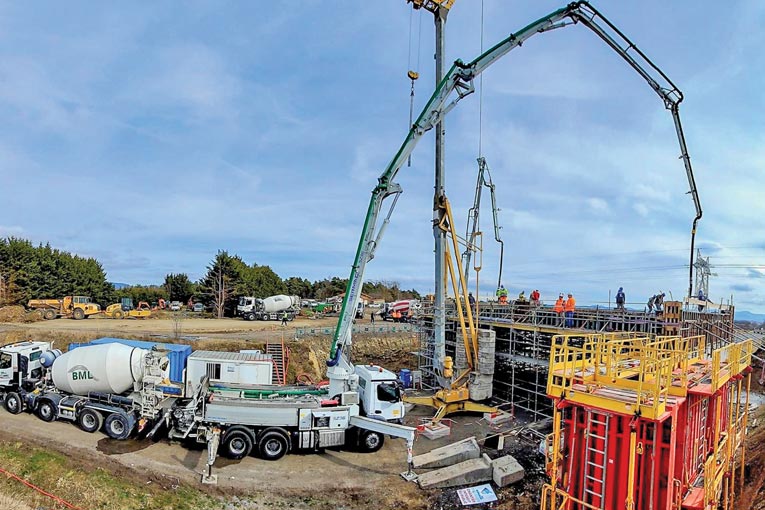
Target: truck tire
(13, 403)
(117, 426)
(117, 314)
(272, 445)
(250, 316)
(49, 314)
(237, 443)
(46, 411)
(370, 442)
(90, 420)
(78, 314)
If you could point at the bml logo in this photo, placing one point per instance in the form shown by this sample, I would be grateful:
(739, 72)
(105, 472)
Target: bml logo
(81, 373)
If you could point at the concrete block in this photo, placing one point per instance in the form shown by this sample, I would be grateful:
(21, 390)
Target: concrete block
(448, 455)
(465, 473)
(506, 470)
(481, 387)
(435, 431)
(498, 418)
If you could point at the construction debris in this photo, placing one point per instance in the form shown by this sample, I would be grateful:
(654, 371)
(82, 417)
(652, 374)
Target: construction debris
(506, 470)
(463, 473)
(448, 455)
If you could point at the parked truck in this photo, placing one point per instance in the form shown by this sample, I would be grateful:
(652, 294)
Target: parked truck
(271, 308)
(400, 311)
(75, 307)
(224, 399)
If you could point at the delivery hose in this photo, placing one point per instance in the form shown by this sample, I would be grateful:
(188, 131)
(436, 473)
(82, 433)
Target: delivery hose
(48, 494)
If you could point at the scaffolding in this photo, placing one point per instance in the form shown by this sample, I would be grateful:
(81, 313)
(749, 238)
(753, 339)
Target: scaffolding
(646, 421)
(524, 337)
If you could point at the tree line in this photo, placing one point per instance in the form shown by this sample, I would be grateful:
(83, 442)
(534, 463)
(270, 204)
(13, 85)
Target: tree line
(40, 272)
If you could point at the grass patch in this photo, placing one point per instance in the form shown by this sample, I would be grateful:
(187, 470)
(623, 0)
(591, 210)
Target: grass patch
(91, 489)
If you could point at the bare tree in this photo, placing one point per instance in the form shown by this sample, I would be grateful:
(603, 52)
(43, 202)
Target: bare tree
(221, 292)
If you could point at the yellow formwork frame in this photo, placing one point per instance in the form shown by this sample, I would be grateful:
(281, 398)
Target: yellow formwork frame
(456, 398)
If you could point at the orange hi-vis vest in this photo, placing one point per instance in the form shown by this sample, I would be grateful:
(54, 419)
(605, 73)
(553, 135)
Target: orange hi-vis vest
(558, 308)
(570, 304)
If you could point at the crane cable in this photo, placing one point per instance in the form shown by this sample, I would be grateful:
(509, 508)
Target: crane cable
(413, 74)
(480, 97)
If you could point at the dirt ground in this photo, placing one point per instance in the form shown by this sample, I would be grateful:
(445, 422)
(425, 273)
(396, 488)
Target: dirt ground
(188, 326)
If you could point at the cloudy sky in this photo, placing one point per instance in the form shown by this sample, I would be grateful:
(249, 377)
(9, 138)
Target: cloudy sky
(150, 135)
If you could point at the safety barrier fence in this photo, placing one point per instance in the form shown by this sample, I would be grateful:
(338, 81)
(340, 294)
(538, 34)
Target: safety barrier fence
(359, 329)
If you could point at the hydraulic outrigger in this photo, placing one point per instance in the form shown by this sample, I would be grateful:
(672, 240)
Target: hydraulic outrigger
(459, 80)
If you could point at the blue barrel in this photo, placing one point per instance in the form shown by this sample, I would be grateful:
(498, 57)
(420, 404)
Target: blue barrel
(405, 376)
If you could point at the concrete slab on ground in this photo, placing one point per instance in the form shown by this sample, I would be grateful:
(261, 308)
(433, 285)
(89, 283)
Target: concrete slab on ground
(448, 455)
(465, 473)
(506, 470)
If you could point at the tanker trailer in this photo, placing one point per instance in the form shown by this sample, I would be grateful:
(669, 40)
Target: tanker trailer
(273, 308)
(113, 386)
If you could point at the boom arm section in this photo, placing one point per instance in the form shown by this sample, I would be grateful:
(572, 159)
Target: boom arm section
(458, 83)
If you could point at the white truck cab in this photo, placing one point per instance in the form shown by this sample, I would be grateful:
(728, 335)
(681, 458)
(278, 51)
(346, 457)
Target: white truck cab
(379, 393)
(21, 361)
(246, 304)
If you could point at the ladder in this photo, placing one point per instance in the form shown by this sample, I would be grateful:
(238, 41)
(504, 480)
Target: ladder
(595, 459)
(701, 446)
(279, 354)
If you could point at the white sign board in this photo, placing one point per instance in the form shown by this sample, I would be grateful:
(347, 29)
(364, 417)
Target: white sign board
(478, 494)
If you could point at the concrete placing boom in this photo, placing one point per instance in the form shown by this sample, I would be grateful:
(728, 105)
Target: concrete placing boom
(459, 80)
(473, 230)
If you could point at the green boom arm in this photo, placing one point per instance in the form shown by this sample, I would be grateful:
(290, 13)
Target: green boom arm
(459, 80)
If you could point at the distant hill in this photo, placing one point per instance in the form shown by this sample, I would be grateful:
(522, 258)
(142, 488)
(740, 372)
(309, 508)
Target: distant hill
(119, 286)
(743, 315)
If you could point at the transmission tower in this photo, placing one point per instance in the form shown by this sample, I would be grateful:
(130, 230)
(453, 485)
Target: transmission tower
(703, 272)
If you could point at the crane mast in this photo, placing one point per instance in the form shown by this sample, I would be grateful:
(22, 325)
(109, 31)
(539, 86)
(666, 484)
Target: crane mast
(457, 84)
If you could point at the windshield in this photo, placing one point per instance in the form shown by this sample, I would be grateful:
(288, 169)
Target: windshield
(388, 392)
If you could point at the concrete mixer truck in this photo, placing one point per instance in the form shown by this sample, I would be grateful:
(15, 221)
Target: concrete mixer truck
(113, 386)
(270, 308)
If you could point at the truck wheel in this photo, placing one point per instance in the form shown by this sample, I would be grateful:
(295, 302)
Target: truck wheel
(117, 314)
(237, 444)
(370, 442)
(272, 446)
(90, 420)
(78, 314)
(49, 314)
(13, 403)
(46, 411)
(117, 427)
(250, 316)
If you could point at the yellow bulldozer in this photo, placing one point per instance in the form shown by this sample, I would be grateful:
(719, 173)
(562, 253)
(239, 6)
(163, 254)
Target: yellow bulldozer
(126, 310)
(74, 307)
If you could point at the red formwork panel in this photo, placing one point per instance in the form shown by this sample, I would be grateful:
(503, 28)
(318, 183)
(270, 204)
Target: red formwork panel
(668, 464)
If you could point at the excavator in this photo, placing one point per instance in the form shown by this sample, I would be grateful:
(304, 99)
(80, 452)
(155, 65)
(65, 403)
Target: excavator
(457, 84)
(126, 310)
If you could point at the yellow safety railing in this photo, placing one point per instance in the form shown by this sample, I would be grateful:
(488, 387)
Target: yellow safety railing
(641, 368)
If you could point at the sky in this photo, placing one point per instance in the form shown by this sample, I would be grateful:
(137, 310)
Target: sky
(152, 134)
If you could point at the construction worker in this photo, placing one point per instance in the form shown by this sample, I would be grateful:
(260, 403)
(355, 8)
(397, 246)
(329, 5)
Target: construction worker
(651, 301)
(535, 298)
(701, 297)
(569, 307)
(372, 318)
(502, 295)
(285, 317)
(471, 300)
(558, 309)
(620, 300)
(658, 303)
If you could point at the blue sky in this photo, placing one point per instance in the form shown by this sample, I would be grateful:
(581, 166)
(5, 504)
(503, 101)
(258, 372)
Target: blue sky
(150, 135)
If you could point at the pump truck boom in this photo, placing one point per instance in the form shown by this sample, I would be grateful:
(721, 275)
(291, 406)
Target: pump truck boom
(457, 84)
